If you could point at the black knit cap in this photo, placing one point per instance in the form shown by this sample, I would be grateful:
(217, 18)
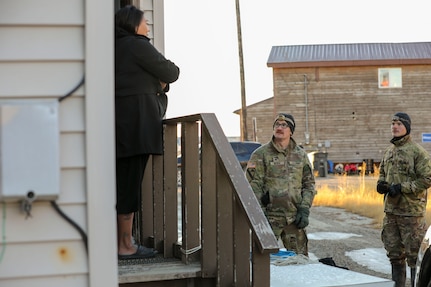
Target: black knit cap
(288, 118)
(404, 119)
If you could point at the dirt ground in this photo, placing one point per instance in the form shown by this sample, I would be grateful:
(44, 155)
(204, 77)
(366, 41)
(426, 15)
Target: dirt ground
(327, 219)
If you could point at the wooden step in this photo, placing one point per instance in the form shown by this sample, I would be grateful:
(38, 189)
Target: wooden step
(158, 269)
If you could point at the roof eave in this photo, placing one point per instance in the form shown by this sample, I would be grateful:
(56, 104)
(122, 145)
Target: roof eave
(350, 63)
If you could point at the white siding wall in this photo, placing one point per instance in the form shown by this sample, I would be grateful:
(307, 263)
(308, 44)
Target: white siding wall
(154, 13)
(45, 50)
(46, 47)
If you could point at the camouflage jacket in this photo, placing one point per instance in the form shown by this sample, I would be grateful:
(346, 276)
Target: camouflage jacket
(409, 164)
(287, 176)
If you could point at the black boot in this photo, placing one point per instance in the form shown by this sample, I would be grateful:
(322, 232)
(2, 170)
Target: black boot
(412, 275)
(399, 275)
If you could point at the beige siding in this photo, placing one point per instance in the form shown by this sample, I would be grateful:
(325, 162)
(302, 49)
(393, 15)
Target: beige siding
(25, 79)
(43, 12)
(69, 281)
(47, 47)
(158, 25)
(72, 187)
(51, 259)
(42, 56)
(72, 114)
(73, 153)
(42, 43)
(146, 4)
(18, 228)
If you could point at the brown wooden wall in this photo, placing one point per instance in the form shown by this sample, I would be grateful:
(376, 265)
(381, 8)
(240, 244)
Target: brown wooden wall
(346, 108)
(264, 113)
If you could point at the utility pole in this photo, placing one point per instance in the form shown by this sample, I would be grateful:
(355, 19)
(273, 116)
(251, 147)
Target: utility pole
(244, 135)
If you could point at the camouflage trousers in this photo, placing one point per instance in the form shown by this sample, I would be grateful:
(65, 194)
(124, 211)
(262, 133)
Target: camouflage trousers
(402, 237)
(293, 239)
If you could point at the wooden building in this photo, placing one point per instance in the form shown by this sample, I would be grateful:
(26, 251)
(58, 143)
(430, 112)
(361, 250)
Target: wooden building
(260, 116)
(344, 95)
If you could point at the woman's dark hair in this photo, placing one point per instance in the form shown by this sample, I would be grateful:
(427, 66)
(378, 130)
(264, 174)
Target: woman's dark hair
(129, 18)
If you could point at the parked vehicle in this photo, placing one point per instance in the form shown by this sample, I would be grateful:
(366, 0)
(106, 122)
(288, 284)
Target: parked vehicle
(243, 150)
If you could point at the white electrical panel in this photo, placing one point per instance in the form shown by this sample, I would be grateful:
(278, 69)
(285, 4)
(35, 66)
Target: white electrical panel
(29, 150)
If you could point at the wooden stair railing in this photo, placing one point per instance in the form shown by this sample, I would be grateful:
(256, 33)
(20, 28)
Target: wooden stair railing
(222, 224)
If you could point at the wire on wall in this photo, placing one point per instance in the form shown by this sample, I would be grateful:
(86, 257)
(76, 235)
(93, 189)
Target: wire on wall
(53, 203)
(73, 223)
(73, 90)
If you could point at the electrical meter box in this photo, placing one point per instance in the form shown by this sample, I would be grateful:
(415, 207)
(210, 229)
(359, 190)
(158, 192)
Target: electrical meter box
(29, 150)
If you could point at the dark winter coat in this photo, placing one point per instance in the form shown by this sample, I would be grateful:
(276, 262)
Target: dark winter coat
(140, 101)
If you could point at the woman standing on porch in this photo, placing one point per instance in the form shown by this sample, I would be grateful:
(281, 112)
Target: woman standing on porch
(142, 77)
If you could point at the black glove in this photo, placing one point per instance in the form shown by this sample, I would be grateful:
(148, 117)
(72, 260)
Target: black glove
(302, 214)
(394, 190)
(383, 187)
(265, 199)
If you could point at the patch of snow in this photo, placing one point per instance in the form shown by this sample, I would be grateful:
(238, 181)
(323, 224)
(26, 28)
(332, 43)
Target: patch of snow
(317, 274)
(313, 273)
(373, 258)
(331, 235)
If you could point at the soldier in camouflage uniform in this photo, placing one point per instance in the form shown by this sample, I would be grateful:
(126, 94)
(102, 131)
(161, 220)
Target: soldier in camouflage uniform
(405, 176)
(282, 179)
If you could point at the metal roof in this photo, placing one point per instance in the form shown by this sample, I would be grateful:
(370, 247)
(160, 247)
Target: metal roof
(349, 54)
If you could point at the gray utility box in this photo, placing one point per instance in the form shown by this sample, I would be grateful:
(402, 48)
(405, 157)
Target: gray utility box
(29, 150)
(321, 163)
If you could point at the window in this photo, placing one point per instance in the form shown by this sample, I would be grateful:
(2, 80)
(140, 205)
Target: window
(390, 78)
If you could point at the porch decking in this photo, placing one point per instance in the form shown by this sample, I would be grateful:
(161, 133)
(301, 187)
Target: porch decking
(157, 270)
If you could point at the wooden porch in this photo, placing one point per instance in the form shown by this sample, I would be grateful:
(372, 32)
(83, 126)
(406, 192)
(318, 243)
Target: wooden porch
(210, 229)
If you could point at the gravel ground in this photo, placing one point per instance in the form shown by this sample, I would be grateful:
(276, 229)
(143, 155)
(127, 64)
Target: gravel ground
(328, 219)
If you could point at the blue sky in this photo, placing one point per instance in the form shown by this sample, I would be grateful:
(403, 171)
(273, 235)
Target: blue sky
(201, 38)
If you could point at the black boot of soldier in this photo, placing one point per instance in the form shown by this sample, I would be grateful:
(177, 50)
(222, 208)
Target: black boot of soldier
(412, 275)
(399, 275)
